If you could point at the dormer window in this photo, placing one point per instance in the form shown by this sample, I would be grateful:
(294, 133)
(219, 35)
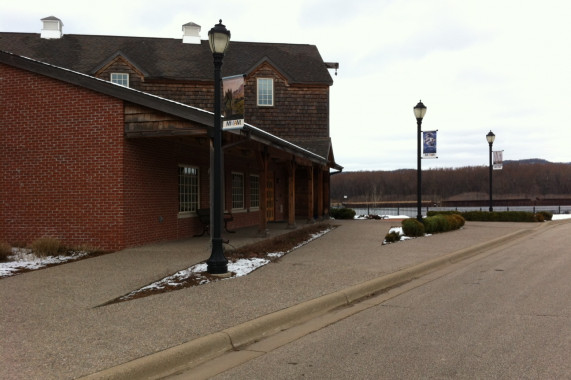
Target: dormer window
(120, 78)
(265, 92)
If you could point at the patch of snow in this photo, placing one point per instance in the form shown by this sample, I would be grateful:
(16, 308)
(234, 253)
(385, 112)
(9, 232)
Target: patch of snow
(24, 259)
(237, 268)
(366, 217)
(244, 266)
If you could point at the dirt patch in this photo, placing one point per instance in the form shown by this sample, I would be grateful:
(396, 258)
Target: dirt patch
(261, 250)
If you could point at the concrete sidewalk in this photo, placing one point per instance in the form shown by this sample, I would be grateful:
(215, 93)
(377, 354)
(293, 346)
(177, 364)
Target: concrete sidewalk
(53, 329)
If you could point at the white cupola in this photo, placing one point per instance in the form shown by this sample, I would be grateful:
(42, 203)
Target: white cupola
(191, 33)
(51, 27)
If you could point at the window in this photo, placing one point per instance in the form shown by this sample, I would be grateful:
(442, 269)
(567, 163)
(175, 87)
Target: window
(237, 191)
(120, 78)
(254, 191)
(265, 92)
(187, 189)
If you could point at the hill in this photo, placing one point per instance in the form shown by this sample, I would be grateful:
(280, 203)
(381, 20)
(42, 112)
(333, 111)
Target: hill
(525, 179)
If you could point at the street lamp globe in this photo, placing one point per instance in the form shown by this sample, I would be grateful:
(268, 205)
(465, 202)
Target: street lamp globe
(490, 137)
(419, 110)
(219, 38)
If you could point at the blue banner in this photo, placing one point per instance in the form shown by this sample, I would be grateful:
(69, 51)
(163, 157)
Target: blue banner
(429, 144)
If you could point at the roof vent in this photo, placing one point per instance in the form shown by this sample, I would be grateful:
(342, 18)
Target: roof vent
(191, 33)
(51, 27)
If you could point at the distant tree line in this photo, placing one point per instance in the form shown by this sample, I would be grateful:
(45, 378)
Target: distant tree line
(517, 179)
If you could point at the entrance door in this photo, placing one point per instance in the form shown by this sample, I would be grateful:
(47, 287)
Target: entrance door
(270, 212)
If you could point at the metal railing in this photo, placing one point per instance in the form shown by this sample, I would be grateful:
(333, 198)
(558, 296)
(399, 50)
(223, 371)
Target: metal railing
(411, 211)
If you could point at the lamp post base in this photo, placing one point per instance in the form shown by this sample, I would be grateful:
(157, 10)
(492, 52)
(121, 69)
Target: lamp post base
(217, 263)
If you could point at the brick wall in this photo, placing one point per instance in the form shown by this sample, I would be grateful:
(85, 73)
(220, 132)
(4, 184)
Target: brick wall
(61, 162)
(68, 172)
(151, 189)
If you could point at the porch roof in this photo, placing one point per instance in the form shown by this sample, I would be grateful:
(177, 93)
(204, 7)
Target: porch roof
(183, 111)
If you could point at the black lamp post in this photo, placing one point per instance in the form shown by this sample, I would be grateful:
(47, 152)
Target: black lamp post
(419, 112)
(219, 38)
(491, 137)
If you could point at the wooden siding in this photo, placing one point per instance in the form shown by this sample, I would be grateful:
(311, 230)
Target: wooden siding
(121, 65)
(299, 111)
(141, 121)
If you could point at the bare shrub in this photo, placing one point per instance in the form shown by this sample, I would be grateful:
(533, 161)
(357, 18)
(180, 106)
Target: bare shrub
(46, 246)
(5, 251)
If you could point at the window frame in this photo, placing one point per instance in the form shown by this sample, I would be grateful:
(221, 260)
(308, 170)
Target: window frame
(186, 198)
(259, 94)
(120, 79)
(255, 195)
(238, 198)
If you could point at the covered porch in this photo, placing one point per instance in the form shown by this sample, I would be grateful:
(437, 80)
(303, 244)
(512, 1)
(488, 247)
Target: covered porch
(292, 182)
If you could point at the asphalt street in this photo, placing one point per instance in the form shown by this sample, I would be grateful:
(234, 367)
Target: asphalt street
(54, 327)
(506, 315)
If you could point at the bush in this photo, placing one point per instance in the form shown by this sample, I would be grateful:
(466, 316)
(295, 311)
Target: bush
(430, 225)
(504, 216)
(546, 215)
(392, 237)
(5, 251)
(442, 223)
(342, 213)
(46, 246)
(459, 220)
(412, 228)
(452, 212)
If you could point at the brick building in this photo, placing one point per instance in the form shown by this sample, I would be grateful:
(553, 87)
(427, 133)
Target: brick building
(127, 163)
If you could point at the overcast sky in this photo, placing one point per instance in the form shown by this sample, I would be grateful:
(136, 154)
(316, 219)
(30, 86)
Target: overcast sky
(478, 65)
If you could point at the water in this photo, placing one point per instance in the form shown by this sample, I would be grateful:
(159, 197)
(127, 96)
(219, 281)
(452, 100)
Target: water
(412, 211)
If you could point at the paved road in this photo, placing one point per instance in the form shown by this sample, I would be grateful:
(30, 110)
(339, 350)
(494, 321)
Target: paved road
(52, 328)
(504, 316)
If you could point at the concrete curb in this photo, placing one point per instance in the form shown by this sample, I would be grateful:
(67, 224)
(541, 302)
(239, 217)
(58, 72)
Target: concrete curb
(164, 362)
(210, 346)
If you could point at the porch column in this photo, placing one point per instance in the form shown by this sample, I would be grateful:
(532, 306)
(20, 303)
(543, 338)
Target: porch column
(263, 160)
(310, 194)
(291, 194)
(320, 193)
(326, 192)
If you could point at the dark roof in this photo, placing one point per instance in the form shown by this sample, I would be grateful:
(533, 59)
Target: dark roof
(169, 58)
(105, 87)
(148, 100)
(321, 146)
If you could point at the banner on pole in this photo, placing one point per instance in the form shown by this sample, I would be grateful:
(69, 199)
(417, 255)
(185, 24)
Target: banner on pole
(429, 144)
(498, 159)
(233, 102)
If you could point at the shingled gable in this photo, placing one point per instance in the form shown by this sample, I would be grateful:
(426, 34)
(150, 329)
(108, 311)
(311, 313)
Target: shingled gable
(267, 61)
(118, 57)
(183, 111)
(164, 58)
